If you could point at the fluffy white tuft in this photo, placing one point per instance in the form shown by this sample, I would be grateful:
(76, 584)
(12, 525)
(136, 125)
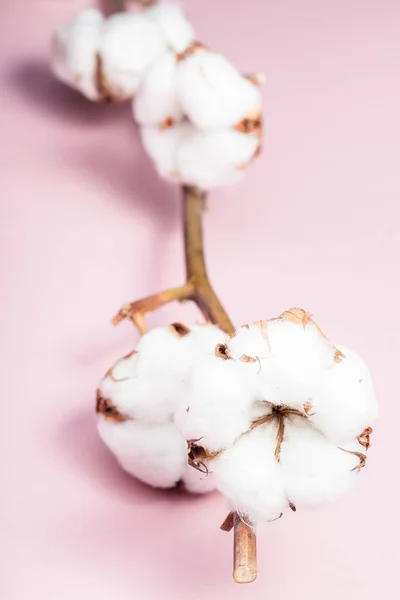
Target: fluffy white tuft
(216, 405)
(249, 476)
(178, 31)
(154, 453)
(215, 159)
(74, 50)
(196, 482)
(148, 384)
(156, 101)
(129, 44)
(162, 145)
(213, 93)
(314, 469)
(343, 400)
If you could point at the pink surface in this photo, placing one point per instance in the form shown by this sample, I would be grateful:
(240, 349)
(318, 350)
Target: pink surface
(87, 225)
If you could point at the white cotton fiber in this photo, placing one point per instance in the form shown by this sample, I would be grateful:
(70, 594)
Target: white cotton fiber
(314, 469)
(298, 356)
(156, 101)
(249, 476)
(178, 31)
(149, 383)
(74, 49)
(343, 401)
(215, 159)
(161, 145)
(216, 405)
(197, 482)
(130, 43)
(213, 93)
(154, 453)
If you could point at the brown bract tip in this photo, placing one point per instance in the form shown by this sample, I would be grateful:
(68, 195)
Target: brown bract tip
(221, 351)
(106, 408)
(168, 122)
(364, 438)
(194, 47)
(339, 356)
(198, 456)
(228, 523)
(179, 329)
(108, 92)
(307, 407)
(247, 359)
(252, 123)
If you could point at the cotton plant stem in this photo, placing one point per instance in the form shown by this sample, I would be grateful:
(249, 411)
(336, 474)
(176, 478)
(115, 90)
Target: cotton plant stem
(197, 287)
(199, 290)
(244, 552)
(204, 296)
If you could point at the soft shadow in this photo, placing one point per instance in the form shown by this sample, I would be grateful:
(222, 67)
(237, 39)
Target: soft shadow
(33, 80)
(79, 445)
(130, 176)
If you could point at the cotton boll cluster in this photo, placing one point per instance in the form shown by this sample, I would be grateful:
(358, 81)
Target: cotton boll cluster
(107, 58)
(279, 415)
(137, 398)
(200, 118)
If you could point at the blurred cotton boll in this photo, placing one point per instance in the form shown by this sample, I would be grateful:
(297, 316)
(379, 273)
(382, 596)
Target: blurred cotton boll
(74, 52)
(213, 93)
(178, 31)
(215, 159)
(129, 45)
(162, 144)
(156, 102)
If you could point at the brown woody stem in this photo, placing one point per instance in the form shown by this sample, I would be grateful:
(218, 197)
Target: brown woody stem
(198, 289)
(244, 552)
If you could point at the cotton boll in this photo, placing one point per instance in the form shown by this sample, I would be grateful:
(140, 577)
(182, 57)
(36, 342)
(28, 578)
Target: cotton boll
(299, 355)
(249, 476)
(213, 93)
(314, 469)
(344, 402)
(74, 50)
(161, 145)
(215, 407)
(215, 159)
(178, 31)
(197, 482)
(147, 384)
(155, 454)
(130, 43)
(156, 101)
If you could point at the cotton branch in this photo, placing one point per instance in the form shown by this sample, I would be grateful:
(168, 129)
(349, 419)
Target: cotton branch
(198, 289)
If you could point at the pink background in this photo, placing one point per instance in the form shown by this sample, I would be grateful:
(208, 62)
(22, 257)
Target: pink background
(87, 225)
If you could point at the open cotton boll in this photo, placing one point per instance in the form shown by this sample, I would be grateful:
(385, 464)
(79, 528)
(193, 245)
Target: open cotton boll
(215, 408)
(215, 159)
(156, 101)
(74, 50)
(130, 43)
(213, 93)
(178, 31)
(314, 469)
(148, 383)
(156, 454)
(344, 402)
(249, 476)
(161, 145)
